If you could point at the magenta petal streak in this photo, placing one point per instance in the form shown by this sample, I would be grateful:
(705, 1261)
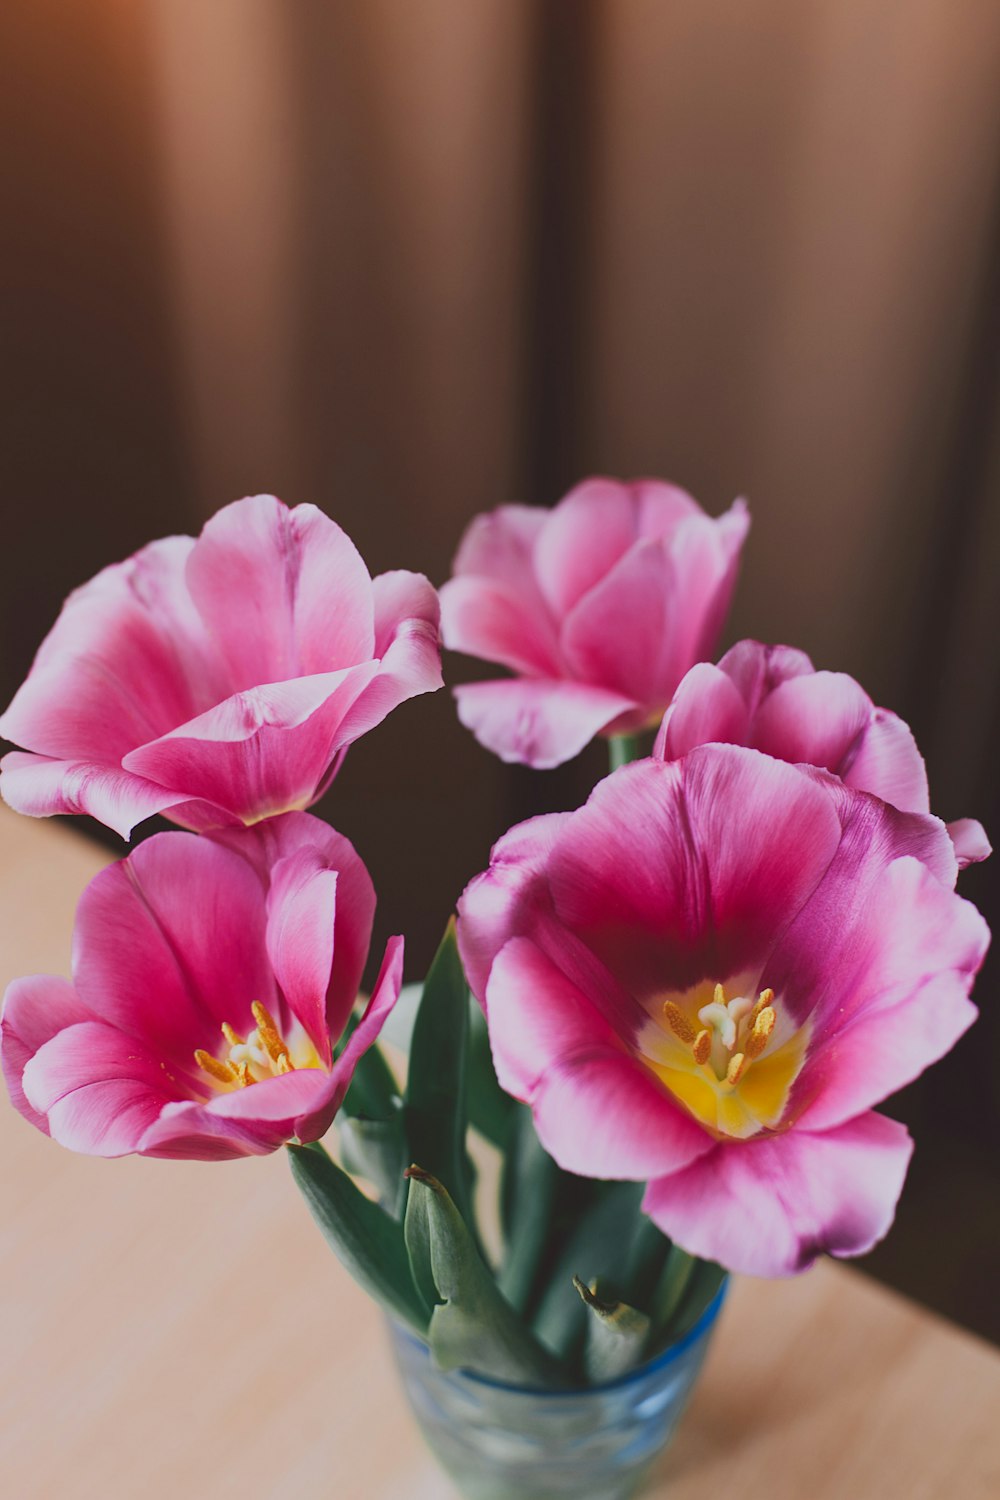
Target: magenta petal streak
(707, 976)
(212, 976)
(217, 680)
(598, 607)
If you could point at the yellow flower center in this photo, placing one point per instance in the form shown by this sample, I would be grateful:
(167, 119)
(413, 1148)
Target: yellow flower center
(263, 1054)
(731, 1063)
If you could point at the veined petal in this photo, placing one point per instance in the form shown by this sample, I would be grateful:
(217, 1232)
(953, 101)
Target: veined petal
(673, 873)
(597, 1110)
(707, 708)
(897, 998)
(261, 752)
(284, 592)
(583, 536)
(35, 785)
(969, 840)
(170, 943)
(505, 900)
(769, 1207)
(98, 1089)
(538, 723)
(35, 1010)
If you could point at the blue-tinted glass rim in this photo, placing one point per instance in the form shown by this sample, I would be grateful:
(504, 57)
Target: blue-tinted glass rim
(651, 1367)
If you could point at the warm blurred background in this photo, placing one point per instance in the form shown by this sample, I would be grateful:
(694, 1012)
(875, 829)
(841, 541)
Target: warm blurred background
(411, 260)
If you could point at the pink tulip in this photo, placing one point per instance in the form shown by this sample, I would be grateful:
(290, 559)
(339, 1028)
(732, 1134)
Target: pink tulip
(218, 680)
(212, 976)
(773, 699)
(598, 607)
(706, 978)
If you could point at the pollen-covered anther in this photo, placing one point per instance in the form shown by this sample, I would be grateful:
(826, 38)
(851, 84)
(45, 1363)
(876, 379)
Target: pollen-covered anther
(231, 1036)
(702, 1047)
(678, 1023)
(764, 1002)
(735, 1069)
(270, 1038)
(222, 1072)
(762, 1028)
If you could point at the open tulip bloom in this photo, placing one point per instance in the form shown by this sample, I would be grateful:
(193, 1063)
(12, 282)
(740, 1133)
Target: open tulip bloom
(687, 998)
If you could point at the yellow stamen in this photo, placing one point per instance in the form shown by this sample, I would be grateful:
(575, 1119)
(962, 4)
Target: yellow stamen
(223, 1072)
(703, 1047)
(720, 995)
(735, 1069)
(678, 1023)
(269, 1034)
(762, 1028)
(232, 1037)
(764, 1000)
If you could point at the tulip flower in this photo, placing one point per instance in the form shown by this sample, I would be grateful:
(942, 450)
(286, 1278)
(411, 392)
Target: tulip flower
(598, 607)
(217, 680)
(212, 976)
(706, 978)
(773, 699)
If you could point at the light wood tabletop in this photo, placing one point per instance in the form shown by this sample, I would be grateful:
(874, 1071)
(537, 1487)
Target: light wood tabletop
(171, 1329)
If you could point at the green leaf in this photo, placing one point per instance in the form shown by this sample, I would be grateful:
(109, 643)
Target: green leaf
(672, 1286)
(491, 1111)
(367, 1240)
(594, 1251)
(527, 1190)
(473, 1327)
(616, 1335)
(435, 1117)
(646, 1258)
(373, 1092)
(376, 1150)
(700, 1289)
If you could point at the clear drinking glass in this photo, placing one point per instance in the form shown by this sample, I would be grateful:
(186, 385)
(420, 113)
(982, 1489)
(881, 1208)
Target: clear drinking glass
(500, 1441)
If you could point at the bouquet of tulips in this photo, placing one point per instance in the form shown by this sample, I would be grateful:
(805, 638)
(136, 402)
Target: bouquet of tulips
(670, 1013)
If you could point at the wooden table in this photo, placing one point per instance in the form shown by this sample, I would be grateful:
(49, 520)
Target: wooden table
(173, 1329)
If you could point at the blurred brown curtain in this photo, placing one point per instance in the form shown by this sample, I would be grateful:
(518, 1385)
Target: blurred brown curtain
(410, 260)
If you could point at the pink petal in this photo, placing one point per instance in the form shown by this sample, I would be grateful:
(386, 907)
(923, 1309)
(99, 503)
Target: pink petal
(970, 842)
(897, 1000)
(38, 786)
(34, 1011)
(537, 723)
(287, 852)
(262, 752)
(124, 661)
(503, 900)
(247, 1122)
(816, 719)
(888, 764)
(673, 873)
(499, 548)
(170, 943)
(769, 1207)
(99, 1089)
(284, 592)
(756, 669)
(661, 506)
(623, 633)
(597, 1110)
(302, 904)
(376, 1013)
(707, 708)
(583, 537)
(826, 957)
(408, 648)
(488, 620)
(296, 1106)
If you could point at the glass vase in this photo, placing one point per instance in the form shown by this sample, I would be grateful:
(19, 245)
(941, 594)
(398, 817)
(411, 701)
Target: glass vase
(500, 1441)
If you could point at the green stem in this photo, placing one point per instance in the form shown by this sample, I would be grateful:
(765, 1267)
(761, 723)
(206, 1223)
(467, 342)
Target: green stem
(674, 1282)
(623, 748)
